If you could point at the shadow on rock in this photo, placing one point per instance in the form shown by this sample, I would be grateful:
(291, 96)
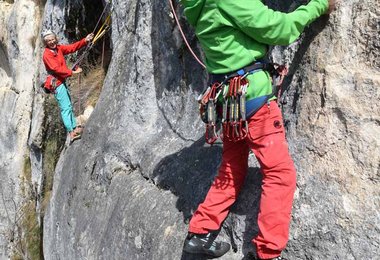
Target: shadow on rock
(187, 256)
(189, 173)
(241, 224)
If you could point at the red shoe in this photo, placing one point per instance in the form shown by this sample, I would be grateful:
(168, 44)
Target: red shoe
(78, 129)
(74, 136)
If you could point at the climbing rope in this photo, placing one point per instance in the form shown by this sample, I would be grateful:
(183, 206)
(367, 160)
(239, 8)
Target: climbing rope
(103, 47)
(103, 29)
(184, 37)
(79, 95)
(101, 16)
(101, 32)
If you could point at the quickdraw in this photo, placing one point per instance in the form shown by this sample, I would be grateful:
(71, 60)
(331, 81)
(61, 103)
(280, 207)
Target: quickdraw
(231, 112)
(234, 123)
(208, 111)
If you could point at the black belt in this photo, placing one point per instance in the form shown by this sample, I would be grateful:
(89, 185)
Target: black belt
(223, 78)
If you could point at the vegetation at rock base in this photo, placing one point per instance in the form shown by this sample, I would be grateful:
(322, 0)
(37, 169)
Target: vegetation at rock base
(26, 235)
(88, 92)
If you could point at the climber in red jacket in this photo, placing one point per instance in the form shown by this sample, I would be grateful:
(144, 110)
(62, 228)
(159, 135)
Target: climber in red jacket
(55, 65)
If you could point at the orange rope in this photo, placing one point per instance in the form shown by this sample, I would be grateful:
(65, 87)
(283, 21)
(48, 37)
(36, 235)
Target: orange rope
(184, 37)
(104, 41)
(79, 94)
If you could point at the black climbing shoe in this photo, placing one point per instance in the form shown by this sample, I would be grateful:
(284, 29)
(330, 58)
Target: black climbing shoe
(276, 258)
(205, 244)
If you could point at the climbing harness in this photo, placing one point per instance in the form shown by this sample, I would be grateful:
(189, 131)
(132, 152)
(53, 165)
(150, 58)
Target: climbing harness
(224, 106)
(49, 85)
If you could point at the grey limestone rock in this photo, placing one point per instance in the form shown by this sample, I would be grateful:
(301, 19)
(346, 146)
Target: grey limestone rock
(128, 188)
(142, 163)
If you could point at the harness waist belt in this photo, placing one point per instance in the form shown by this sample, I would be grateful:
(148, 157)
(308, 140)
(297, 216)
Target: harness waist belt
(223, 78)
(253, 104)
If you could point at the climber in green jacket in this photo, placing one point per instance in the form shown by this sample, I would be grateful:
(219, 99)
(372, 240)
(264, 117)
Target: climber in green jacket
(234, 34)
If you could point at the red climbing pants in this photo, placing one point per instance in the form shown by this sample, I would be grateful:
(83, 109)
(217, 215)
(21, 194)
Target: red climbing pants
(266, 138)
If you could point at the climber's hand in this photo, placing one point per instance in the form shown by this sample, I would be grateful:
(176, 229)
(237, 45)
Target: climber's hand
(77, 70)
(332, 6)
(89, 37)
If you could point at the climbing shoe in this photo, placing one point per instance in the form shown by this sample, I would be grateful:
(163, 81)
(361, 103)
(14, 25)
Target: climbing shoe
(74, 136)
(276, 258)
(205, 244)
(78, 129)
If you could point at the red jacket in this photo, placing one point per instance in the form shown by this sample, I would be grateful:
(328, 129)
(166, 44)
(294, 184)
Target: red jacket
(55, 63)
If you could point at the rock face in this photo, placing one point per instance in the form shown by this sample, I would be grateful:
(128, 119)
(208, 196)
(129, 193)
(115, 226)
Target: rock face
(19, 29)
(127, 189)
(126, 174)
(334, 128)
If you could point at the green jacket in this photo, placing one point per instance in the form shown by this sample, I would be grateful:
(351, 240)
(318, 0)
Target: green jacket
(235, 33)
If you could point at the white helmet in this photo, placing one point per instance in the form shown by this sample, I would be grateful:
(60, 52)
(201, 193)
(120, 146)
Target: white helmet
(46, 33)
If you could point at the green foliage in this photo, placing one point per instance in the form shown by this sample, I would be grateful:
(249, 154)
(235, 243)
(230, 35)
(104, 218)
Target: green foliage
(27, 233)
(32, 231)
(55, 136)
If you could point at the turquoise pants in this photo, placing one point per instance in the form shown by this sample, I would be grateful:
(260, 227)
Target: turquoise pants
(62, 95)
